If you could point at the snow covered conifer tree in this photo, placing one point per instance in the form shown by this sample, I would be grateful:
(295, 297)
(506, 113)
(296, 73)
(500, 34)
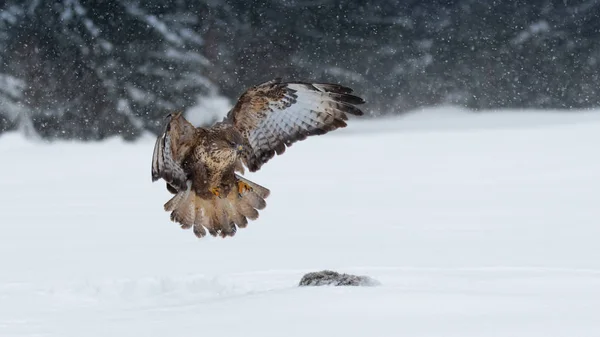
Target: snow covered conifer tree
(92, 69)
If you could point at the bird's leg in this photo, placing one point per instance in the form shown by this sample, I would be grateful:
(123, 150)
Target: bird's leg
(216, 191)
(243, 187)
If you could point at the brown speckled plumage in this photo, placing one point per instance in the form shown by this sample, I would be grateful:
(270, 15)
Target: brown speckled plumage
(202, 166)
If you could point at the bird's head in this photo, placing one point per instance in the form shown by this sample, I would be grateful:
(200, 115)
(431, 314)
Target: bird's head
(236, 142)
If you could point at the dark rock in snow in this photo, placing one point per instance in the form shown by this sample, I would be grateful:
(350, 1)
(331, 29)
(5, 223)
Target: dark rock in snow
(332, 278)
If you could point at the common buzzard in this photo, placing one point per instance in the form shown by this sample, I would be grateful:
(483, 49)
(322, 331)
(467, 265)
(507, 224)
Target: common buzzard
(201, 165)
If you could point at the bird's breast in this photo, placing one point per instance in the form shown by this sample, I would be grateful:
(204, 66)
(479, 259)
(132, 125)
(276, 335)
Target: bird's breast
(218, 159)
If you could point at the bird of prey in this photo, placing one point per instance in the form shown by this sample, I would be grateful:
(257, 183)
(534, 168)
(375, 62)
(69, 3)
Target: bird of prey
(203, 167)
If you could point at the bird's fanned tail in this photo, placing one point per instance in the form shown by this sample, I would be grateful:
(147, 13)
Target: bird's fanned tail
(219, 216)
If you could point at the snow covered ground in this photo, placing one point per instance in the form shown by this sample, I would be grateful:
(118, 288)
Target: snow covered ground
(475, 225)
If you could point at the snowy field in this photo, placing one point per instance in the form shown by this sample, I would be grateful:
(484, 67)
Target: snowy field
(475, 225)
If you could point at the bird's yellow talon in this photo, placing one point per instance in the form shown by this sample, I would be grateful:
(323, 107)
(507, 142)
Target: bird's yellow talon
(243, 187)
(216, 191)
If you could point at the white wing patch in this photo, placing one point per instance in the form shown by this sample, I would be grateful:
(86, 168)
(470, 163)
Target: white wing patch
(304, 111)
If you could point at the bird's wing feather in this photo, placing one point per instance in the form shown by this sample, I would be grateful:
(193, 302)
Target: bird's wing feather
(166, 161)
(275, 114)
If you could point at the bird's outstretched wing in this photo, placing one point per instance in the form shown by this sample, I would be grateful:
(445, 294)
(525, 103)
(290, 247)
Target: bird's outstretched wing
(274, 115)
(169, 152)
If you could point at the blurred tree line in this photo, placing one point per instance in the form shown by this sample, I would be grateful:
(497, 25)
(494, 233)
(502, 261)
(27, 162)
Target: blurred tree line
(88, 69)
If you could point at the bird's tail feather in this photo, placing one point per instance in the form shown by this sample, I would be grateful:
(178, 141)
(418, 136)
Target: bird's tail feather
(220, 216)
(261, 191)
